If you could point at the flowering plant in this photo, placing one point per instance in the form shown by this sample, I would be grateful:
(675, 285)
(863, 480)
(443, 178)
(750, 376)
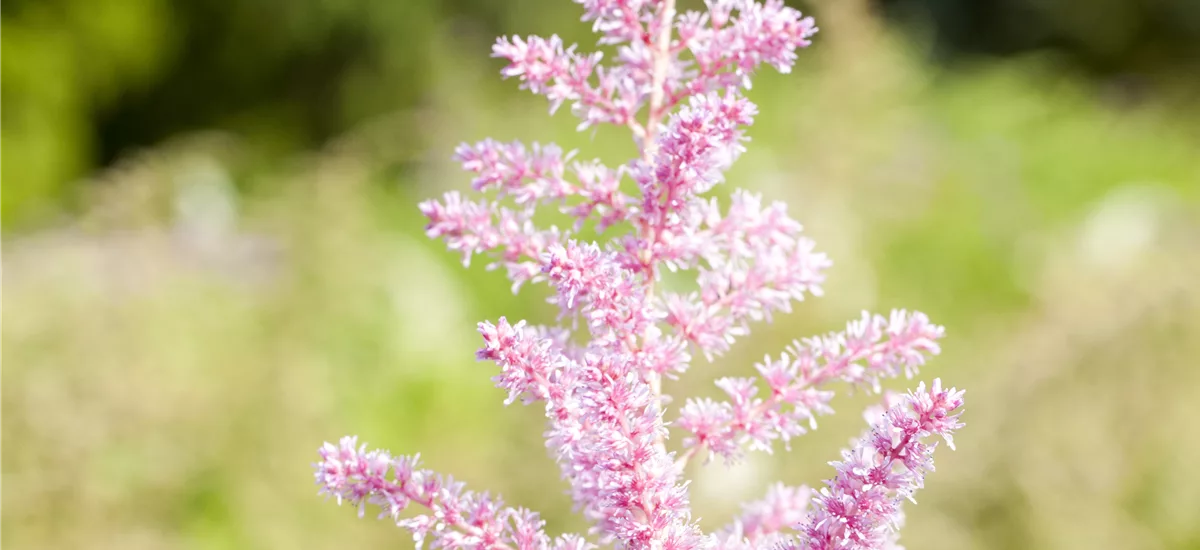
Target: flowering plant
(677, 84)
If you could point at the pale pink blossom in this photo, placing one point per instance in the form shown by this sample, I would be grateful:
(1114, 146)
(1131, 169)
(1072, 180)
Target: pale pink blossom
(860, 508)
(870, 349)
(677, 83)
(457, 518)
(545, 67)
(755, 263)
(733, 37)
(538, 176)
(619, 20)
(603, 431)
(528, 176)
(509, 236)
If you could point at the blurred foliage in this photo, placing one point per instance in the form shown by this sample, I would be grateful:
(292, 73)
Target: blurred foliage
(85, 83)
(213, 306)
(1106, 36)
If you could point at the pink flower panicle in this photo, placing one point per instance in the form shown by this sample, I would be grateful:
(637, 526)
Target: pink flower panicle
(677, 82)
(546, 68)
(755, 263)
(860, 508)
(603, 430)
(458, 518)
(870, 349)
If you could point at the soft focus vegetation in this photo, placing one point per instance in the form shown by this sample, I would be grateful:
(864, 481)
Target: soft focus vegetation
(186, 326)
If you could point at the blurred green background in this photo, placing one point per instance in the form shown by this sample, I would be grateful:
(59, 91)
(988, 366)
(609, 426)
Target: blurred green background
(213, 260)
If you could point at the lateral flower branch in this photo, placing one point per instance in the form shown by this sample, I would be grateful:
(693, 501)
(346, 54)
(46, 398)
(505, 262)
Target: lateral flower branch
(677, 82)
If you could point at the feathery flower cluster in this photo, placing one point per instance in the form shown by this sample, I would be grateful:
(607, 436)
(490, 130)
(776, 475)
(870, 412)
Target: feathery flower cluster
(859, 508)
(883, 344)
(677, 82)
(458, 518)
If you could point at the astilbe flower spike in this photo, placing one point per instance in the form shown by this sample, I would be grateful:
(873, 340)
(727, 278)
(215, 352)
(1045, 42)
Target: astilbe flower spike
(860, 506)
(677, 82)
